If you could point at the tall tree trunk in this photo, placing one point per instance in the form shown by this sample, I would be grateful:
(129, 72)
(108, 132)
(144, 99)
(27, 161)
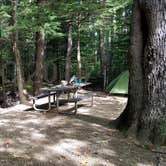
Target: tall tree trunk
(103, 58)
(17, 54)
(109, 62)
(79, 66)
(39, 58)
(55, 73)
(153, 118)
(2, 74)
(68, 55)
(46, 73)
(135, 96)
(145, 111)
(111, 48)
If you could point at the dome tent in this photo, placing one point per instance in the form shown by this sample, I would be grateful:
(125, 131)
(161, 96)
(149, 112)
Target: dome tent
(120, 84)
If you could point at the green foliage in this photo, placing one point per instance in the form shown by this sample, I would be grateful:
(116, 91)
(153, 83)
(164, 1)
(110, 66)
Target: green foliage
(31, 17)
(53, 17)
(34, 17)
(4, 18)
(95, 71)
(95, 76)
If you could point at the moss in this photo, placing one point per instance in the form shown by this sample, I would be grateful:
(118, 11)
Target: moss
(28, 87)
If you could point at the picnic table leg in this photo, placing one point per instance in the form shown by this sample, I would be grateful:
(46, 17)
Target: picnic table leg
(68, 96)
(54, 99)
(44, 110)
(57, 102)
(49, 102)
(75, 107)
(92, 101)
(75, 94)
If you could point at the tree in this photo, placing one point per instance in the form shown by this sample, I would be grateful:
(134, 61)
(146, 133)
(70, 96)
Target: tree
(145, 112)
(16, 53)
(39, 58)
(79, 65)
(69, 50)
(2, 70)
(2, 75)
(103, 56)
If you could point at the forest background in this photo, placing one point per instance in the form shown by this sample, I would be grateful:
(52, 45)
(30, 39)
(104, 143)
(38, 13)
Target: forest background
(48, 41)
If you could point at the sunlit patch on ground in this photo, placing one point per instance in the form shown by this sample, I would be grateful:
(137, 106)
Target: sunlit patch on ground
(51, 139)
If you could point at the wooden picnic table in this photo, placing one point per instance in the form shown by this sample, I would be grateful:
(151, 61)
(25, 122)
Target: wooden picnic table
(56, 92)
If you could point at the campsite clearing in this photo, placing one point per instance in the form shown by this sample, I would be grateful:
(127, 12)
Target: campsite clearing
(49, 139)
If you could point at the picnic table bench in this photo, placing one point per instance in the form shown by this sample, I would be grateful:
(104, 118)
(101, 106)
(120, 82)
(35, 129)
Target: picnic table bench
(43, 95)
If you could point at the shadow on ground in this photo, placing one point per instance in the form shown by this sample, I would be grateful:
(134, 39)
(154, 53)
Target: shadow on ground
(86, 139)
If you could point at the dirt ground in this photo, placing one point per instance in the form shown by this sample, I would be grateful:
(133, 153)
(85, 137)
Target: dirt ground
(30, 138)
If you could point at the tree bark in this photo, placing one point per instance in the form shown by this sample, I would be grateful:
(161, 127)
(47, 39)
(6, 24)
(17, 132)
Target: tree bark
(16, 53)
(39, 58)
(79, 65)
(69, 51)
(55, 73)
(153, 117)
(145, 111)
(109, 56)
(3, 81)
(103, 58)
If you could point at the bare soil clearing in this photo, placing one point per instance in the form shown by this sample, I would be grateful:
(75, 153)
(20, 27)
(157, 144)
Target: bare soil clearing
(29, 138)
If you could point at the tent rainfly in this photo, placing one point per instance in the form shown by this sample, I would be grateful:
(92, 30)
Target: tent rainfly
(120, 84)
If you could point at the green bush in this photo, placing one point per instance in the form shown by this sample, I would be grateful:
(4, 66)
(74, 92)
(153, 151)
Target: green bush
(29, 88)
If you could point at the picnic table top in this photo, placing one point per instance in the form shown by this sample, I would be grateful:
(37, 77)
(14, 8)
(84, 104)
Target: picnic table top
(65, 87)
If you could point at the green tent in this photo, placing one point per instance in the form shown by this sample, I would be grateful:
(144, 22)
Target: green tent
(120, 84)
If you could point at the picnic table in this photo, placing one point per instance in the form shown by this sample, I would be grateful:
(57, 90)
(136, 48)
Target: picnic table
(57, 91)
